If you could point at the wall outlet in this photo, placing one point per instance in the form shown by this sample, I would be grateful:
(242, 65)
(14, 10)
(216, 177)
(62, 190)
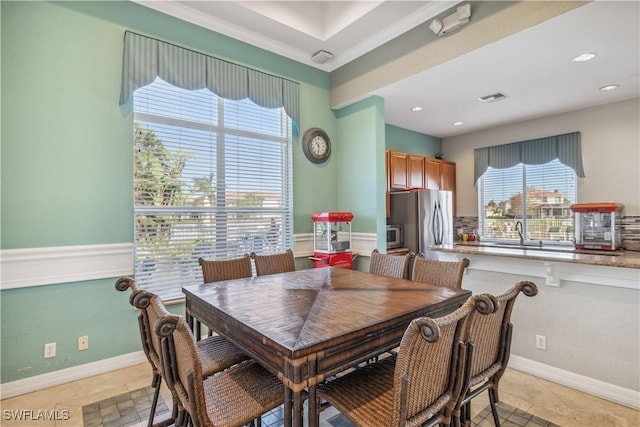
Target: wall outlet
(541, 342)
(83, 342)
(49, 350)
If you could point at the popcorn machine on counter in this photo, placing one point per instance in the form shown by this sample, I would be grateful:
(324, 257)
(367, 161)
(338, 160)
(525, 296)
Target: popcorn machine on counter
(598, 225)
(332, 239)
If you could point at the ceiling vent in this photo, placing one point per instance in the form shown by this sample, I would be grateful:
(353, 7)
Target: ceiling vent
(493, 97)
(321, 57)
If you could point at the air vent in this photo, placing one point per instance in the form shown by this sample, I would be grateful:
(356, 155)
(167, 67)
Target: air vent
(493, 98)
(321, 57)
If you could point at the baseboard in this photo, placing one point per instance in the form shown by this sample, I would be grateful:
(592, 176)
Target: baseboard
(621, 395)
(611, 392)
(74, 373)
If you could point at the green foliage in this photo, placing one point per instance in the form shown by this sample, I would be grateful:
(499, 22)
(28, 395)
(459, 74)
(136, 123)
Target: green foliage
(157, 171)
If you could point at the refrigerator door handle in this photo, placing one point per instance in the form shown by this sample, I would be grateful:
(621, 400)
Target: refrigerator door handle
(437, 224)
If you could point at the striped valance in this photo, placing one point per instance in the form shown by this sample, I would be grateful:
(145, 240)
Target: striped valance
(146, 58)
(566, 148)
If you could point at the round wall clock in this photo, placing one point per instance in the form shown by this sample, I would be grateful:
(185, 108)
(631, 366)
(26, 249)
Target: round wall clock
(316, 145)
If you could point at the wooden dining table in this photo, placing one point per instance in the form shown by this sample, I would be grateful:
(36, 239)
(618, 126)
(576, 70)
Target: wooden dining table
(307, 325)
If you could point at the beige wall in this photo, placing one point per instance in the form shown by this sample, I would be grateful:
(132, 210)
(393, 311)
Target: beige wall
(610, 152)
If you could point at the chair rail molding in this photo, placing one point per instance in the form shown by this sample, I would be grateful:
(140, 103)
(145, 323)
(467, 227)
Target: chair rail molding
(23, 268)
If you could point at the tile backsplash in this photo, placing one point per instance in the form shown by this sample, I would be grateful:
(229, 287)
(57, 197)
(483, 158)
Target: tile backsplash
(630, 229)
(631, 232)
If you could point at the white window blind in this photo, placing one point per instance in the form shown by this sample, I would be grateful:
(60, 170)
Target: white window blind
(539, 196)
(212, 178)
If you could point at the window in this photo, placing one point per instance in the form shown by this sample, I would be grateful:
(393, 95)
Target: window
(212, 178)
(539, 196)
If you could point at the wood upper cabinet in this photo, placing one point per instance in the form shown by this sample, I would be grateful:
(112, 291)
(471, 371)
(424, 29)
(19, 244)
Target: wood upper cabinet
(406, 170)
(432, 174)
(398, 170)
(415, 171)
(447, 175)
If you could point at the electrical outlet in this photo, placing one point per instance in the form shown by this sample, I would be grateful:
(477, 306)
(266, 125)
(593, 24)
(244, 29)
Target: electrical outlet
(83, 342)
(49, 350)
(541, 342)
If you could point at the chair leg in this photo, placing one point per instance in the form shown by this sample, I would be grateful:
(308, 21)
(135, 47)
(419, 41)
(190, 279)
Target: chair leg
(156, 382)
(198, 332)
(494, 410)
(467, 414)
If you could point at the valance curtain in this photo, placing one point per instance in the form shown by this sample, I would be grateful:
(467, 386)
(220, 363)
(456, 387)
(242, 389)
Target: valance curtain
(146, 58)
(566, 148)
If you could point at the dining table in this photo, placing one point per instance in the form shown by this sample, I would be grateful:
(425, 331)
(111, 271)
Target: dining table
(306, 326)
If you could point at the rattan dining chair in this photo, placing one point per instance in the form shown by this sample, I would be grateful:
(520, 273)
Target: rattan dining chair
(216, 353)
(274, 263)
(440, 273)
(490, 338)
(228, 269)
(233, 397)
(390, 265)
(216, 271)
(418, 387)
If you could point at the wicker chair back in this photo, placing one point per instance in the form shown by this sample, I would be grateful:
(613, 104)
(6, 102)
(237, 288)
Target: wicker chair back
(390, 265)
(218, 270)
(440, 273)
(275, 263)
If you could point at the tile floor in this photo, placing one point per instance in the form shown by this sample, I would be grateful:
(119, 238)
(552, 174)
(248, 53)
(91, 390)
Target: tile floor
(558, 404)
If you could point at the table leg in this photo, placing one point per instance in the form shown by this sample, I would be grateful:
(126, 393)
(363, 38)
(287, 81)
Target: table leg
(297, 409)
(314, 415)
(287, 406)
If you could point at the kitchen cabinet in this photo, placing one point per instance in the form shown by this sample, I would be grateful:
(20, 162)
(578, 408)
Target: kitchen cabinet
(406, 170)
(415, 171)
(447, 175)
(398, 170)
(432, 174)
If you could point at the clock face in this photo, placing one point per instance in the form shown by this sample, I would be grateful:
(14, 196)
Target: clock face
(316, 145)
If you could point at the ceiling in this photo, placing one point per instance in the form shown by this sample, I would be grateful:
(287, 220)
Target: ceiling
(533, 68)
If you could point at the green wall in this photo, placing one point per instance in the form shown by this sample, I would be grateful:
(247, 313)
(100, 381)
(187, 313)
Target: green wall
(361, 172)
(67, 155)
(407, 141)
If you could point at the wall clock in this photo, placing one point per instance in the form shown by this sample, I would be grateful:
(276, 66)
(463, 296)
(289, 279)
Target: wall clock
(316, 145)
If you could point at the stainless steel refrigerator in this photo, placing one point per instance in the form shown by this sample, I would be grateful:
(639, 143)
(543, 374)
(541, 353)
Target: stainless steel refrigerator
(426, 217)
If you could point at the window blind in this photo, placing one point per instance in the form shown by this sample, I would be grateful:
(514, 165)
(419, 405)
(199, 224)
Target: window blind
(539, 196)
(212, 178)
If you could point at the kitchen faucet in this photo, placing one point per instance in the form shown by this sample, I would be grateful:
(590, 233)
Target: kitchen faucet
(519, 230)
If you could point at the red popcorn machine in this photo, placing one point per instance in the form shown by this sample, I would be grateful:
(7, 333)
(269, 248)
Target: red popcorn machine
(598, 225)
(332, 239)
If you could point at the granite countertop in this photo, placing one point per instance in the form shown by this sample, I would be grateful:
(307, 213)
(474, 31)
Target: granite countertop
(620, 258)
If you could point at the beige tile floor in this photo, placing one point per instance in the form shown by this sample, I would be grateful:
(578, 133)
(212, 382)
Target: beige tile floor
(558, 404)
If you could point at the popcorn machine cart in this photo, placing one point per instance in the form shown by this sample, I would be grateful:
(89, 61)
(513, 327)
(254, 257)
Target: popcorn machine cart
(332, 239)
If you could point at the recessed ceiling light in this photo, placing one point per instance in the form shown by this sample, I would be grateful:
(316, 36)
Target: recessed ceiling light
(457, 123)
(609, 87)
(417, 108)
(584, 57)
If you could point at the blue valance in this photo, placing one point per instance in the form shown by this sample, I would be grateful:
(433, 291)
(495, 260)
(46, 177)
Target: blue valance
(566, 148)
(146, 58)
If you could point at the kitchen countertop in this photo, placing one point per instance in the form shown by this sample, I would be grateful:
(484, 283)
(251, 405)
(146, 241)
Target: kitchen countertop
(620, 258)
